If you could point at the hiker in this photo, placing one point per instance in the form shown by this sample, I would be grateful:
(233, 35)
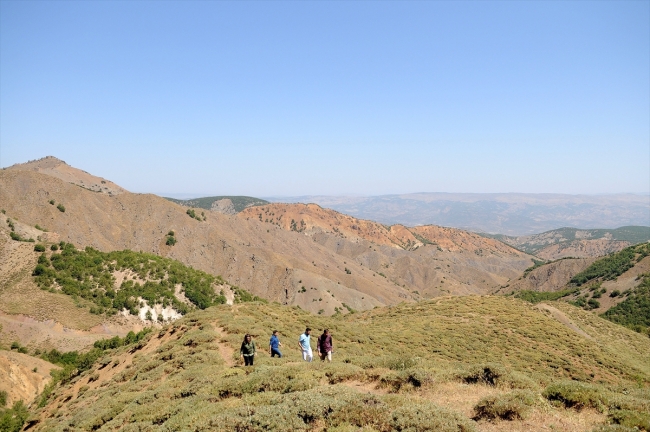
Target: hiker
(305, 345)
(247, 350)
(274, 345)
(325, 346)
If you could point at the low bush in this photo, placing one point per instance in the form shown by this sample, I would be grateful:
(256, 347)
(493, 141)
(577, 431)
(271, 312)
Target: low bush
(39, 248)
(61, 208)
(510, 406)
(539, 296)
(12, 420)
(573, 394)
(631, 419)
(408, 379)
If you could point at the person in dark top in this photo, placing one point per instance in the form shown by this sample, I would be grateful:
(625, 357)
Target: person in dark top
(325, 346)
(247, 350)
(274, 345)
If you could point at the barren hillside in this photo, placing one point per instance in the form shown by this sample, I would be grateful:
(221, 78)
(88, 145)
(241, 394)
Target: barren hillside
(278, 264)
(550, 277)
(57, 168)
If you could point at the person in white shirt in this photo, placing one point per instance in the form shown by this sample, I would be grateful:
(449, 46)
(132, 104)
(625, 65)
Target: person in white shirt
(305, 345)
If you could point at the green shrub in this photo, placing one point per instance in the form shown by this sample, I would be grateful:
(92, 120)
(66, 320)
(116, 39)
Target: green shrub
(610, 267)
(615, 293)
(593, 304)
(490, 374)
(191, 213)
(39, 248)
(509, 406)
(406, 379)
(54, 247)
(3, 399)
(540, 296)
(171, 240)
(61, 208)
(631, 419)
(52, 202)
(572, 394)
(89, 274)
(12, 420)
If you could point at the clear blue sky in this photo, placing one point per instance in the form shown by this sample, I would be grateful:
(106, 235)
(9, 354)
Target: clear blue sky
(296, 98)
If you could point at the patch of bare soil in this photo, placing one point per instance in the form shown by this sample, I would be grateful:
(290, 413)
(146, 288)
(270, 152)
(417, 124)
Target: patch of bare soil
(546, 421)
(225, 350)
(364, 387)
(50, 334)
(459, 397)
(23, 377)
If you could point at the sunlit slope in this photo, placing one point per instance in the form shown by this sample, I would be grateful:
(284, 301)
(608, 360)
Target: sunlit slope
(185, 377)
(428, 260)
(577, 243)
(319, 270)
(266, 261)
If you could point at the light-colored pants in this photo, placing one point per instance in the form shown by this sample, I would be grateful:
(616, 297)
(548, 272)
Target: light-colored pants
(326, 355)
(307, 355)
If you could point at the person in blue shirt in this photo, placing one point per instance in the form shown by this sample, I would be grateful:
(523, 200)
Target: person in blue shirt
(274, 345)
(305, 345)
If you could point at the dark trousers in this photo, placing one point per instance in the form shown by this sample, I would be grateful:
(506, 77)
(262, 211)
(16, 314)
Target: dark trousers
(248, 360)
(275, 352)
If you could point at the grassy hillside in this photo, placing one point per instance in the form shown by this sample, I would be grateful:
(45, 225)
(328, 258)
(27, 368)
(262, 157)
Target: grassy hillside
(239, 202)
(628, 305)
(448, 365)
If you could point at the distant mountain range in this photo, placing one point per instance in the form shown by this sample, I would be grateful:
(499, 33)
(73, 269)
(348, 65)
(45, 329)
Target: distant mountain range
(222, 204)
(576, 243)
(513, 214)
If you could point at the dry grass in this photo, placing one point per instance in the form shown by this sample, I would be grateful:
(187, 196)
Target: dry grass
(410, 367)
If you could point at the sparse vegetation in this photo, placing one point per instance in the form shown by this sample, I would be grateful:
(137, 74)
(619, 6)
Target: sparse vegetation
(634, 311)
(61, 208)
(191, 213)
(536, 264)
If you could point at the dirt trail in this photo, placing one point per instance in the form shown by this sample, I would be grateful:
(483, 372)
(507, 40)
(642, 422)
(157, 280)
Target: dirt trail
(562, 318)
(226, 351)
